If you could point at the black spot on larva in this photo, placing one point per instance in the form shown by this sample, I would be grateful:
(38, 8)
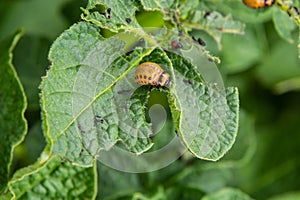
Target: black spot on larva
(145, 77)
(128, 20)
(141, 76)
(150, 78)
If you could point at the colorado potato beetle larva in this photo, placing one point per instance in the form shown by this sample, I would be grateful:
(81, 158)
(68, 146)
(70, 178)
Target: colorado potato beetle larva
(149, 73)
(258, 3)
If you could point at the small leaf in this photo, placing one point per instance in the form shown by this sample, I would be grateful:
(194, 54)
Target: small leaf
(54, 179)
(284, 25)
(13, 126)
(227, 194)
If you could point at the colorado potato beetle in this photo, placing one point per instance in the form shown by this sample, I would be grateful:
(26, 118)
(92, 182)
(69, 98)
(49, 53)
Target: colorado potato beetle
(258, 3)
(149, 73)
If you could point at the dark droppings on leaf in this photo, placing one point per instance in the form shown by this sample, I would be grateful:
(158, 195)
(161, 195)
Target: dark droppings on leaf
(81, 151)
(108, 10)
(188, 81)
(98, 119)
(201, 42)
(81, 131)
(107, 14)
(210, 59)
(123, 91)
(206, 14)
(128, 20)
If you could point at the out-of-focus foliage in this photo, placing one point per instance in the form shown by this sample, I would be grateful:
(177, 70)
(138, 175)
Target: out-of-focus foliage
(13, 125)
(262, 61)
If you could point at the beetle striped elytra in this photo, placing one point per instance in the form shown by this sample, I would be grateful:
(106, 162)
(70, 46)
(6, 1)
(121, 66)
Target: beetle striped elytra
(150, 73)
(258, 3)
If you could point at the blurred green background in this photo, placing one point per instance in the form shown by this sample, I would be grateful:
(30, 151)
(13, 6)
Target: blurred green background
(265, 160)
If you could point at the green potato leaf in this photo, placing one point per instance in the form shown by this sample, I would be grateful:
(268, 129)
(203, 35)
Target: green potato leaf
(54, 179)
(84, 96)
(13, 126)
(90, 100)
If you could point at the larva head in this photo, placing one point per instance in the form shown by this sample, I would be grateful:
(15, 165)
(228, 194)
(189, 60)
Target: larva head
(164, 79)
(258, 3)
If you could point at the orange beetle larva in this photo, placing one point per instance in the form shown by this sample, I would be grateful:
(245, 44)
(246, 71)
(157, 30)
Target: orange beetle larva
(258, 3)
(152, 74)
